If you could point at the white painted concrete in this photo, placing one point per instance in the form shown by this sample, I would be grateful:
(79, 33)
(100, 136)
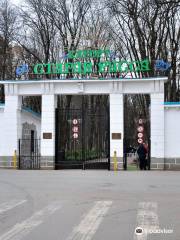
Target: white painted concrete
(11, 116)
(1, 127)
(91, 222)
(48, 125)
(116, 124)
(22, 229)
(91, 86)
(147, 219)
(172, 131)
(11, 125)
(157, 125)
(4, 207)
(31, 118)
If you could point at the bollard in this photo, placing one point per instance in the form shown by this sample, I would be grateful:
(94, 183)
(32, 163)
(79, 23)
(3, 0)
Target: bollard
(15, 160)
(115, 161)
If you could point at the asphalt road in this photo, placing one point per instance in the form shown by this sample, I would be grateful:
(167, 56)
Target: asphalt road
(85, 205)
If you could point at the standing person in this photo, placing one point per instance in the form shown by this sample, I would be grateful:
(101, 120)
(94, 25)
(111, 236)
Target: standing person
(146, 146)
(147, 150)
(142, 156)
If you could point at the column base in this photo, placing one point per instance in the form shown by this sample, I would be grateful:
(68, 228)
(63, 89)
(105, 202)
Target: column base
(165, 163)
(157, 163)
(172, 164)
(119, 163)
(47, 163)
(6, 162)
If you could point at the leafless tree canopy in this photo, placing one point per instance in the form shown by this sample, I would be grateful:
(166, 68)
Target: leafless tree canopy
(43, 31)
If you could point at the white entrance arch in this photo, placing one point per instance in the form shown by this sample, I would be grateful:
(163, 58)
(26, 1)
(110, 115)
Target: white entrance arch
(115, 88)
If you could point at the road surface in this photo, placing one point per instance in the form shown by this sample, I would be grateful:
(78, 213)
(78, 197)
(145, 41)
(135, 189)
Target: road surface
(89, 205)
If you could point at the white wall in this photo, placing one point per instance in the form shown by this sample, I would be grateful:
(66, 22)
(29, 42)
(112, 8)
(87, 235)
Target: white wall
(1, 128)
(116, 124)
(172, 132)
(11, 125)
(48, 125)
(30, 118)
(157, 125)
(8, 140)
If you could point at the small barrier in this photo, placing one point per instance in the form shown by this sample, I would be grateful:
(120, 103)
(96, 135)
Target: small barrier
(14, 160)
(115, 161)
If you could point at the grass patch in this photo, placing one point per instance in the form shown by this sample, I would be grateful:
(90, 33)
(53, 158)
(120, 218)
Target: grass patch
(132, 167)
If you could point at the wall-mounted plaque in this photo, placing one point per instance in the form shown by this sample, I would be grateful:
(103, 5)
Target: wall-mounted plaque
(47, 135)
(116, 136)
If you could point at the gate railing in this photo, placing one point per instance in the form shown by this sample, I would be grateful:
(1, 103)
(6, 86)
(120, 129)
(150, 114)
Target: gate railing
(29, 153)
(91, 148)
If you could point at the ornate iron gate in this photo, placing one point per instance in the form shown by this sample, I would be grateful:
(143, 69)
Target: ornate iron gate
(82, 139)
(29, 153)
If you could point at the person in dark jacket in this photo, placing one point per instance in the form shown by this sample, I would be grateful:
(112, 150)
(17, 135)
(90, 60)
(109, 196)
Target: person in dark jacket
(142, 151)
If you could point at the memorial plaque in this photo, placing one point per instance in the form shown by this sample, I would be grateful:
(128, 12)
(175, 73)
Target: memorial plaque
(116, 136)
(47, 135)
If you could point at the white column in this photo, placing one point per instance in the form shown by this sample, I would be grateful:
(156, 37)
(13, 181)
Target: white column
(11, 125)
(157, 130)
(116, 126)
(48, 126)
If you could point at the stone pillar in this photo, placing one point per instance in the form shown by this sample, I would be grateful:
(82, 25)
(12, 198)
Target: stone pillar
(116, 126)
(11, 129)
(157, 131)
(48, 132)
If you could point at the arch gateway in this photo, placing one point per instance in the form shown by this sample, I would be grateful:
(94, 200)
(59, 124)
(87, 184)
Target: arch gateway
(79, 137)
(11, 119)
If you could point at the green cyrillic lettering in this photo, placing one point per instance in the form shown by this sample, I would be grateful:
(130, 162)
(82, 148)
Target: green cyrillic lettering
(48, 68)
(67, 68)
(38, 69)
(137, 66)
(87, 66)
(79, 54)
(121, 67)
(58, 68)
(71, 54)
(113, 67)
(103, 66)
(94, 53)
(99, 53)
(77, 67)
(145, 65)
(107, 52)
(84, 54)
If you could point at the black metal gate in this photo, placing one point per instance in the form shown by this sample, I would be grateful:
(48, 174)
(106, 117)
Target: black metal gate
(82, 139)
(29, 153)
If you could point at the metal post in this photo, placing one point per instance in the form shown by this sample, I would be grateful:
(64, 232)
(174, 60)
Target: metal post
(19, 159)
(115, 161)
(149, 154)
(83, 139)
(124, 155)
(109, 161)
(14, 160)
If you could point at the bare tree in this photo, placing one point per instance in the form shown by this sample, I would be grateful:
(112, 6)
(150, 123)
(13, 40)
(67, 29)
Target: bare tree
(95, 33)
(148, 29)
(172, 87)
(69, 17)
(8, 19)
(38, 32)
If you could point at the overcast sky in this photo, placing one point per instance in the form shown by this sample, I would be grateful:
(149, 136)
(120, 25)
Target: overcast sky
(16, 1)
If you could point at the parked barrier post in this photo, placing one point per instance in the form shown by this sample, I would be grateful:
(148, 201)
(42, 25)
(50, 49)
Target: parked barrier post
(115, 161)
(15, 160)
